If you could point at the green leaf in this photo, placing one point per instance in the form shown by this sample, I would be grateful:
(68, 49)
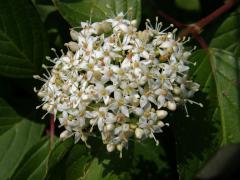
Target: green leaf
(218, 123)
(226, 69)
(198, 137)
(56, 169)
(18, 135)
(44, 10)
(228, 34)
(58, 153)
(81, 10)
(8, 117)
(152, 153)
(96, 170)
(190, 5)
(23, 43)
(35, 163)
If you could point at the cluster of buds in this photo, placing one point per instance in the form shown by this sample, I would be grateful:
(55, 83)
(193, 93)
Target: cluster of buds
(117, 81)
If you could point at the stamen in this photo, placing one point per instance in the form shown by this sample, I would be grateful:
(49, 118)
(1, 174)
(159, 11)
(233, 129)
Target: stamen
(187, 40)
(45, 115)
(35, 90)
(51, 60)
(185, 107)
(39, 78)
(194, 102)
(157, 142)
(171, 25)
(55, 52)
(37, 107)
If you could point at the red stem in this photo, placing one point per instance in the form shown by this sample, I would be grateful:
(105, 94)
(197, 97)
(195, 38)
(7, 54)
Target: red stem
(196, 27)
(200, 40)
(205, 21)
(171, 19)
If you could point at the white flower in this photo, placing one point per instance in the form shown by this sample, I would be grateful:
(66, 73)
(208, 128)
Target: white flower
(118, 81)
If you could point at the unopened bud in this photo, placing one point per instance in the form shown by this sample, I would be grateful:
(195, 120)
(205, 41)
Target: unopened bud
(65, 134)
(74, 35)
(171, 105)
(176, 90)
(119, 147)
(45, 106)
(110, 147)
(73, 46)
(104, 28)
(138, 133)
(125, 127)
(145, 35)
(160, 124)
(161, 114)
(41, 94)
(109, 127)
(134, 22)
(123, 27)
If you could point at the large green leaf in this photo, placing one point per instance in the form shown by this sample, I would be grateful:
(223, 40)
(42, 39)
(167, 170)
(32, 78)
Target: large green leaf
(198, 137)
(78, 164)
(226, 69)
(43, 159)
(23, 43)
(8, 117)
(228, 34)
(151, 161)
(18, 135)
(218, 123)
(35, 163)
(76, 11)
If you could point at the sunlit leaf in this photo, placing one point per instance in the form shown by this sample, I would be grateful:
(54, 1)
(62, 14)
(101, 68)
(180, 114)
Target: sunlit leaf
(84, 10)
(18, 136)
(34, 164)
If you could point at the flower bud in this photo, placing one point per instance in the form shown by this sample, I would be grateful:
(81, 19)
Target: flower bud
(134, 22)
(73, 46)
(110, 147)
(123, 27)
(176, 90)
(74, 35)
(45, 106)
(125, 127)
(145, 35)
(65, 134)
(160, 124)
(177, 99)
(110, 127)
(104, 28)
(133, 126)
(41, 94)
(171, 105)
(161, 114)
(138, 133)
(119, 147)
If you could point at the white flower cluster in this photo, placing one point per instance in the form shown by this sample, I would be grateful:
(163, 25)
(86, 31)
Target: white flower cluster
(118, 81)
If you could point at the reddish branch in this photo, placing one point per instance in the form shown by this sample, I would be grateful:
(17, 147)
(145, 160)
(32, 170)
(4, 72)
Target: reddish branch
(196, 28)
